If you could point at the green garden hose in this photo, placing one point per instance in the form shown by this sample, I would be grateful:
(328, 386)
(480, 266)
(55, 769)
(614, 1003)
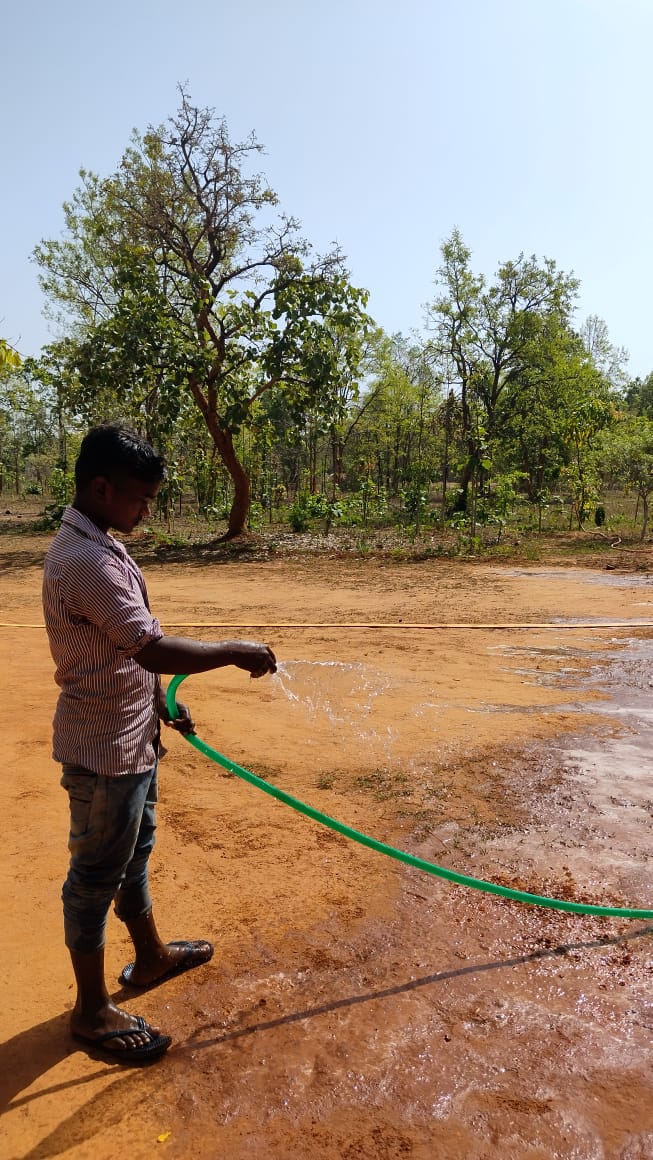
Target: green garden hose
(381, 847)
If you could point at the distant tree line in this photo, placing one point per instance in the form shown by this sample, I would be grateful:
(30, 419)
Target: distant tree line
(191, 307)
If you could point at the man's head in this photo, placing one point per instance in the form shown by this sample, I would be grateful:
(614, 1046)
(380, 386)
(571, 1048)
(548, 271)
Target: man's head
(117, 475)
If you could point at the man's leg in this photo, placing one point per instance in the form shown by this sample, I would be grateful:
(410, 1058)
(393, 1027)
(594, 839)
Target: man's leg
(155, 960)
(105, 816)
(96, 1015)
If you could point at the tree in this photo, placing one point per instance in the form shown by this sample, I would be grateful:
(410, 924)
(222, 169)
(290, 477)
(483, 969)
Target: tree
(550, 417)
(27, 431)
(395, 420)
(609, 360)
(639, 396)
(177, 275)
(485, 337)
(586, 419)
(627, 456)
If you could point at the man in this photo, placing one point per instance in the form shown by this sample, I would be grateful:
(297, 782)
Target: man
(109, 651)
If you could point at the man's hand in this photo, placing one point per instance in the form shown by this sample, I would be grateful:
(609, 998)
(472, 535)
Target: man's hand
(256, 659)
(183, 723)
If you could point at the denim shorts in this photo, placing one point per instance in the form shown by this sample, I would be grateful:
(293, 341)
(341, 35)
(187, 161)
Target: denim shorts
(112, 824)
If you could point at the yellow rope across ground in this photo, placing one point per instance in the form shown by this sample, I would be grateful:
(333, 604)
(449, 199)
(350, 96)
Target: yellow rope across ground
(398, 624)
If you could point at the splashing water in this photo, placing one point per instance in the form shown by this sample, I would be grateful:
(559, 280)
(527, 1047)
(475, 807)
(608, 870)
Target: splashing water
(350, 698)
(342, 692)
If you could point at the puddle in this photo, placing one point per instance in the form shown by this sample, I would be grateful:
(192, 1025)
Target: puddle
(597, 822)
(628, 621)
(617, 769)
(584, 575)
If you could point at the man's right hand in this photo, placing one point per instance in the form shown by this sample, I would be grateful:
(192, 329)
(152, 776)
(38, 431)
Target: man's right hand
(256, 659)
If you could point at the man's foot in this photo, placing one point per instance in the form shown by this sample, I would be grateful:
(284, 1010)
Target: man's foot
(174, 958)
(129, 1040)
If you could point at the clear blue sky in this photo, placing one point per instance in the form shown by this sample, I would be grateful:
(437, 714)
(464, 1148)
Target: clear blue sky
(526, 123)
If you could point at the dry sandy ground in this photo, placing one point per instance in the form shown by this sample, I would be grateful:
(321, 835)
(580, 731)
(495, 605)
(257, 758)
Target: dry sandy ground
(357, 1008)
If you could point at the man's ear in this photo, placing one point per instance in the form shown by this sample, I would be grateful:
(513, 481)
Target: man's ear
(99, 486)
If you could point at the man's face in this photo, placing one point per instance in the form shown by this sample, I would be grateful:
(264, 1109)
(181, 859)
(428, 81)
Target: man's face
(126, 501)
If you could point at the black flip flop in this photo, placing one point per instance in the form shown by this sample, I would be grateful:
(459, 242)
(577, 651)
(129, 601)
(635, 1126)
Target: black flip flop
(142, 1053)
(197, 953)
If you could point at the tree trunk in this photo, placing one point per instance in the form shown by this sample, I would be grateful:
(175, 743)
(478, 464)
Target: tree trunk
(445, 459)
(644, 516)
(312, 463)
(463, 486)
(224, 445)
(337, 454)
(242, 489)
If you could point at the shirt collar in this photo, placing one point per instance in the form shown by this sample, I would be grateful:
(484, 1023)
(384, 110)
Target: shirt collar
(85, 526)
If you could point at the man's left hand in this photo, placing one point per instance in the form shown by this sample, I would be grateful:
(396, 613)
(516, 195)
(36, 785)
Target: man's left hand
(183, 723)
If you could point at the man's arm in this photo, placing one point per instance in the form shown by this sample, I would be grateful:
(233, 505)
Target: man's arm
(178, 654)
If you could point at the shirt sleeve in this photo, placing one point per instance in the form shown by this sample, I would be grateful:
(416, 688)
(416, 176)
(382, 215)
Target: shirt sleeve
(106, 594)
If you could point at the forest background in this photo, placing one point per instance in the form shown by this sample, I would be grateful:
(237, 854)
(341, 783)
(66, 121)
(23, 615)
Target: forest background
(189, 305)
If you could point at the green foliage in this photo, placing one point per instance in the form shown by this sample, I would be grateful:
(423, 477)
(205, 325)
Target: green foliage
(367, 505)
(10, 359)
(506, 490)
(308, 507)
(639, 397)
(255, 515)
(193, 310)
(62, 486)
(491, 340)
(27, 431)
(414, 498)
(626, 457)
(170, 492)
(176, 278)
(62, 489)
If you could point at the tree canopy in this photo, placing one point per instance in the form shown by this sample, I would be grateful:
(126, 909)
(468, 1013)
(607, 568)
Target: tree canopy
(177, 274)
(190, 305)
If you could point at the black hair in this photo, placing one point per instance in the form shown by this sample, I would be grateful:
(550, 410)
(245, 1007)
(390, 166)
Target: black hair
(115, 452)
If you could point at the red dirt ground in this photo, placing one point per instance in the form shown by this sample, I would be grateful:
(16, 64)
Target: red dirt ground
(355, 1007)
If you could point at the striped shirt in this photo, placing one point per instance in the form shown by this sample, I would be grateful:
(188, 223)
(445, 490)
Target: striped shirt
(97, 617)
